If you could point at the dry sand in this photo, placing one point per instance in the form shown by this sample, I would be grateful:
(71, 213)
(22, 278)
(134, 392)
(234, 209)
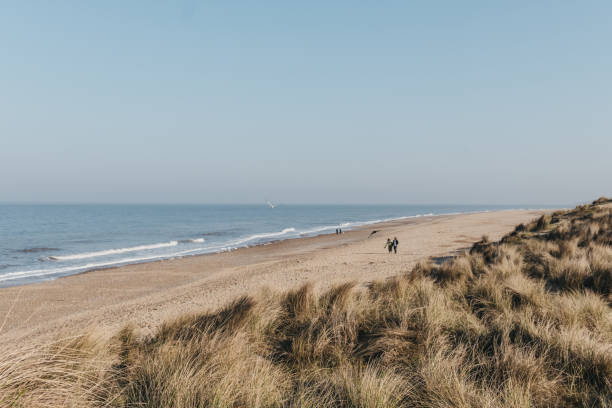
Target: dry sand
(146, 294)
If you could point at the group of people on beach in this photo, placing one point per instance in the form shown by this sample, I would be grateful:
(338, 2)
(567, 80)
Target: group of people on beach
(338, 231)
(392, 245)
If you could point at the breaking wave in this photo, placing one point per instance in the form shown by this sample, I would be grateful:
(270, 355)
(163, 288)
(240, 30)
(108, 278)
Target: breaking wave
(95, 254)
(192, 241)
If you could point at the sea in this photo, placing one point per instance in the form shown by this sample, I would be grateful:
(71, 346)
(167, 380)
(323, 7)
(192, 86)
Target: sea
(46, 241)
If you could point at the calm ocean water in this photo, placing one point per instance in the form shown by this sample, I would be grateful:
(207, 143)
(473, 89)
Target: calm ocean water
(40, 242)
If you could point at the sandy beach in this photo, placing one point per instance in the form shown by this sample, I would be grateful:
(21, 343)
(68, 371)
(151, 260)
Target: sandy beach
(146, 294)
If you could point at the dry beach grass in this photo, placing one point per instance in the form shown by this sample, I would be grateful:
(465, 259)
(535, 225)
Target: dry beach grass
(525, 321)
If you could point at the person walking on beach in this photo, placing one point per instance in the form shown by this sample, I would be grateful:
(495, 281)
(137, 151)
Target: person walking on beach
(395, 244)
(389, 245)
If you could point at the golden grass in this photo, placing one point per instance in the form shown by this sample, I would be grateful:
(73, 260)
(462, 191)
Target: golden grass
(524, 322)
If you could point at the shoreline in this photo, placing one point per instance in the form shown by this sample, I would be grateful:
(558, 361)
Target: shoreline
(161, 259)
(24, 279)
(146, 294)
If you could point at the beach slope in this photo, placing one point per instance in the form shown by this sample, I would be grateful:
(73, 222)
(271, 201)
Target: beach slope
(147, 294)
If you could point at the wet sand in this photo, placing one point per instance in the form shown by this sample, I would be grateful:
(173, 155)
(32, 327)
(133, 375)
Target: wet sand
(146, 294)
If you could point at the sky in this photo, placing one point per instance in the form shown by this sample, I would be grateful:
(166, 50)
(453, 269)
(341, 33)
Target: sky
(306, 102)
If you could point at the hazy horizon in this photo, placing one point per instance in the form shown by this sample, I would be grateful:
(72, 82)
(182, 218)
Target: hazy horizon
(305, 103)
(264, 203)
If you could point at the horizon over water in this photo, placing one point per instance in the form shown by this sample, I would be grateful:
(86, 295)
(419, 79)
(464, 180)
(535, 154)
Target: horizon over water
(46, 241)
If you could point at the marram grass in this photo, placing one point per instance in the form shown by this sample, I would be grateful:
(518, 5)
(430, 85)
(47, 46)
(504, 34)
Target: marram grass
(524, 322)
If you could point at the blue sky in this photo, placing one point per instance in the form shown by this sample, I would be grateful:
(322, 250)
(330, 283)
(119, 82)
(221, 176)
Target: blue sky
(316, 102)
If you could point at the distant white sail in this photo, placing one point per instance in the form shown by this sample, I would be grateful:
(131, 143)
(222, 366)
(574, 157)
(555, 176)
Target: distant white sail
(270, 204)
